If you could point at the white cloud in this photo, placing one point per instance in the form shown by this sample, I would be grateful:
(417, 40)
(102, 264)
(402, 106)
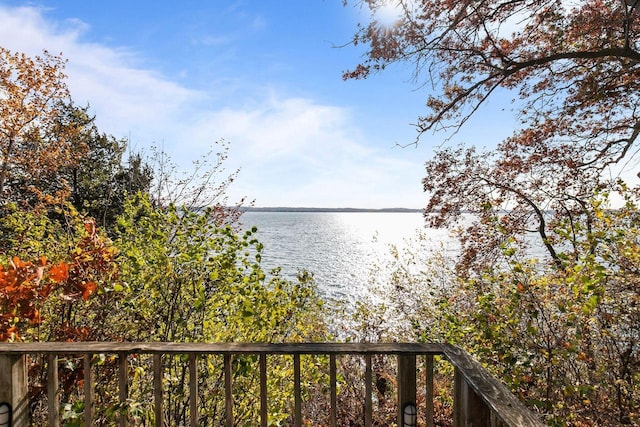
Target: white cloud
(292, 150)
(118, 88)
(280, 127)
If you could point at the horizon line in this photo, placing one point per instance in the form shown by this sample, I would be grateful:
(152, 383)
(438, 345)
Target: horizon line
(318, 209)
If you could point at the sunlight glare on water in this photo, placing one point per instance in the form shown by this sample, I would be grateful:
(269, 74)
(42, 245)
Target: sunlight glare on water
(340, 249)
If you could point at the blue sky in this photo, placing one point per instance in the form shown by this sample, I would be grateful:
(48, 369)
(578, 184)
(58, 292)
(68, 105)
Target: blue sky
(264, 75)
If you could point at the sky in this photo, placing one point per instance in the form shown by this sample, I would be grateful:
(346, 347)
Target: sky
(265, 76)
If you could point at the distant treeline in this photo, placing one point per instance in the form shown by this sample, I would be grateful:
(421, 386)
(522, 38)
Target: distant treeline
(299, 209)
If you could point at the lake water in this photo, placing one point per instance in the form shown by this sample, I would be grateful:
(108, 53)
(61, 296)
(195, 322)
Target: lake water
(340, 249)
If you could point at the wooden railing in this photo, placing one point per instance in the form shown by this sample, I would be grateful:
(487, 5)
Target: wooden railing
(479, 398)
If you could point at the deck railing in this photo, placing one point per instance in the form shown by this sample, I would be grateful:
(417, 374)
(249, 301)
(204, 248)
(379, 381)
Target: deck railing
(479, 398)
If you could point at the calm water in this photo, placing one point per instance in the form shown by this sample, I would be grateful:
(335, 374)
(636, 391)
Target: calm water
(340, 249)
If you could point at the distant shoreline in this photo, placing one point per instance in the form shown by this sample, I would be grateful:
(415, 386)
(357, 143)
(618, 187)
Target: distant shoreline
(329, 210)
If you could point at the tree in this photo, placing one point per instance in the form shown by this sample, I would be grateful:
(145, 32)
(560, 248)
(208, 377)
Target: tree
(170, 274)
(574, 68)
(563, 334)
(566, 341)
(50, 299)
(34, 140)
(203, 186)
(101, 179)
(186, 278)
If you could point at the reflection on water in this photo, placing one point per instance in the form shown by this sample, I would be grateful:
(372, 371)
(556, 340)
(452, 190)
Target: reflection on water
(340, 249)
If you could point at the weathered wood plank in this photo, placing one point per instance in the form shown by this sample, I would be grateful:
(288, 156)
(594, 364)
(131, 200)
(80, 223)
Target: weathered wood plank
(493, 393)
(88, 389)
(123, 388)
(53, 391)
(297, 392)
(264, 419)
(218, 348)
(157, 390)
(193, 389)
(333, 391)
(228, 390)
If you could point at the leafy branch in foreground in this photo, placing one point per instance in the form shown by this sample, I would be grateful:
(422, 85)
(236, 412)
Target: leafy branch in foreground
(573, 69)
(566, 341)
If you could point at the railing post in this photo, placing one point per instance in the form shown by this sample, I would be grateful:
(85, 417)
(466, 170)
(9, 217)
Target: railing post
(406, 388)
(13, 388)
(468, 407)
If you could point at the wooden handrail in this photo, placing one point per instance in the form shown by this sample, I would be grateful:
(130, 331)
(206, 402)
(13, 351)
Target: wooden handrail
(495, 396)
(97, 347)
(479, 398)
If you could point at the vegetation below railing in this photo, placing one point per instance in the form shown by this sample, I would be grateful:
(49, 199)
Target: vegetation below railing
(249, 384)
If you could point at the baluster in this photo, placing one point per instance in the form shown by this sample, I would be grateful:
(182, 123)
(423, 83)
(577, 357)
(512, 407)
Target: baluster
(123, 388)
(193, 389)
(228, 392)
(263, 390)
(157, 389)
(297, 391)
(52, 390)
(368, 392)
(334, 391)
(428, 368)
(88, 389)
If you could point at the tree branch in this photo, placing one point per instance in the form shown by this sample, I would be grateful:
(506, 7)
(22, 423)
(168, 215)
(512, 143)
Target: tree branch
(542, 224)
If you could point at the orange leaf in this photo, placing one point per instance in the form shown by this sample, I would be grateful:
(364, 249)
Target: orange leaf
(35, 318)
(16, 263)
(59, 272)
(45, 291)
(90, 227)
(89, 287)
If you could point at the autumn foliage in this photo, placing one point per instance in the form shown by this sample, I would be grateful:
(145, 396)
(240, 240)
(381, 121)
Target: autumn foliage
(545, 290)
(571, 71)
(88, 254)
(25, 286)
(20, 289)
(35, 140)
